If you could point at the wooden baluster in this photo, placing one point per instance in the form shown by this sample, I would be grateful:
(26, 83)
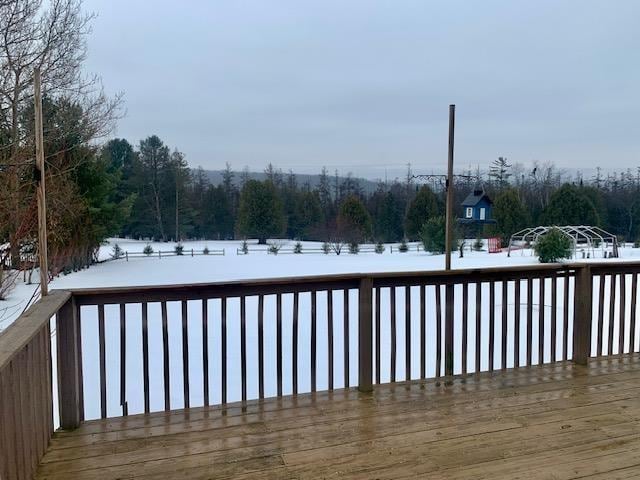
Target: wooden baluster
(346, 337)
(103, 363)
(205, 351)
(123, 360)
(80, 370)
(261, 346)
(423, 332)
(448, 329)
(378, 329)
(554, 316)
(565, 320)
(600, 332)
(365, 337)
(314, 342)
(165, 356)
(465, 321)
(623, 313)
(243, 346)
(330, 336)
(632, 325)
(503, 341)
(145, 356)
(407, 332)
(185, 355)
(279, 342)
(392, 306)
(516, 325)
(478, 325)
(438, 331)
(294, 341)
(612, 313)
(492, 324)
(541, 329)
(223, 348)
(529, 321)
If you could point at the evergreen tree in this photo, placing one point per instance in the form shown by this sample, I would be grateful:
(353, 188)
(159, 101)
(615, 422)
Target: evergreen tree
(423, 207)
(260, 214)
(510, 214)
(354, 222)
(499, 172)
(569, 205)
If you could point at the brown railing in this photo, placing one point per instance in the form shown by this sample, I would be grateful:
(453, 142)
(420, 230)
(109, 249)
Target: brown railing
(144, 349)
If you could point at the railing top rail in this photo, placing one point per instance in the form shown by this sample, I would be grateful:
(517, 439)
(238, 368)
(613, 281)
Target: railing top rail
(234, 288)
(27, 325)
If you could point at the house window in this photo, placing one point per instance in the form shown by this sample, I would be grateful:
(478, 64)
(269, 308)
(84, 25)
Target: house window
(482, 214)
(469, 213)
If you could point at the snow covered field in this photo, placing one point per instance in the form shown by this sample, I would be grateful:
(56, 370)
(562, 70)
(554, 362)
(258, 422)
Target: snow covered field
(187, 269)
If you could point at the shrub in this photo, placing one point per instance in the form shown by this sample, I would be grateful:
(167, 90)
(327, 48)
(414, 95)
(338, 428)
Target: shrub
(178, 249)
(205, 251)
(433, 235)
(116, 252)
(379, 247)
(297, 248)
(478, 244)
(553, 246)
(148, 250)
(403, 247)
(354, 248)
(336, 246)
(326, 248)
(245, 247)
(274, 247)
(636, 244)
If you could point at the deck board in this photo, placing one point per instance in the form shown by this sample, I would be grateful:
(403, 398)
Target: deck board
(556, 421)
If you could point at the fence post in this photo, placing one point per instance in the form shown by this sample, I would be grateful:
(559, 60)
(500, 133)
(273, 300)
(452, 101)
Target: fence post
(582, 315)
(192, 252)
(365, 335)
(69, 370)
(126, 254)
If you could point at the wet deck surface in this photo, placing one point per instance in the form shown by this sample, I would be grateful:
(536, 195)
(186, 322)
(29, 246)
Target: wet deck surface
(559, 421)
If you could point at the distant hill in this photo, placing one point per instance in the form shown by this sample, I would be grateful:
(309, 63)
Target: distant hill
(215, 177)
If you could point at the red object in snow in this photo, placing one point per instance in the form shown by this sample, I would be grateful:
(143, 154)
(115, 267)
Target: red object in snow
(494, 245)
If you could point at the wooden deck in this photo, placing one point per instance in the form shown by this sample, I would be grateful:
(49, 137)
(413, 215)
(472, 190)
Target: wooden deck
(555, 421)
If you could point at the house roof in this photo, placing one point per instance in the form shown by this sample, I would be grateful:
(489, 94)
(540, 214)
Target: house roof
(474, 198)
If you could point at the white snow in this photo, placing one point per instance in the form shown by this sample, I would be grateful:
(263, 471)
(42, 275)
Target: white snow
(187, 269)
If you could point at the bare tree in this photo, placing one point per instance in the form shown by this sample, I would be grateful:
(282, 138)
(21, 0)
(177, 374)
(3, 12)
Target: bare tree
(51, 37)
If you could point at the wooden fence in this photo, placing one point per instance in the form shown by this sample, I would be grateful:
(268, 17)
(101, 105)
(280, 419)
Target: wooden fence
(328, 332)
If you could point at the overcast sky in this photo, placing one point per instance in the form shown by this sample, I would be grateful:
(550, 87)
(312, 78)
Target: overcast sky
(364, 86)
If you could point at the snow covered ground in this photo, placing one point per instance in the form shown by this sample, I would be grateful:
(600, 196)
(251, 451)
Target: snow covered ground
(186, 269)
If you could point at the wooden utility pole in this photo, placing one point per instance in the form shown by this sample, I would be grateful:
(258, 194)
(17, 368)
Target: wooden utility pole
(449, 185)
(449, 292)
(42, 204)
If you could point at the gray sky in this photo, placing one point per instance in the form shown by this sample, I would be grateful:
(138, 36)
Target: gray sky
(364, 86)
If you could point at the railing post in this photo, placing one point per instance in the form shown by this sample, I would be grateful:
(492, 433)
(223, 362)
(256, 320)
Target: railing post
(582, 315)
(365, 335)
(69, 374)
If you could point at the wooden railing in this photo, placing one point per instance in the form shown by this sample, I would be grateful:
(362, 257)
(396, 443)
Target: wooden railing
(144, 349)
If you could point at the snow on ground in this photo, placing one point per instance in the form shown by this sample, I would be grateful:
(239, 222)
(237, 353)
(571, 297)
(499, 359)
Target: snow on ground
(186, 269)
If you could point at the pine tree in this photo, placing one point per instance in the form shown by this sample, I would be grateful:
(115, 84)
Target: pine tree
(260, 214)
(499, 172)
(510, 214)
(354, 221)
(423, 207)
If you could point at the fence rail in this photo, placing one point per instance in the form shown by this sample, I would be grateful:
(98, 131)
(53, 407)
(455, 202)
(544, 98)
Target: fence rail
(144, 349)
(126, 255)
